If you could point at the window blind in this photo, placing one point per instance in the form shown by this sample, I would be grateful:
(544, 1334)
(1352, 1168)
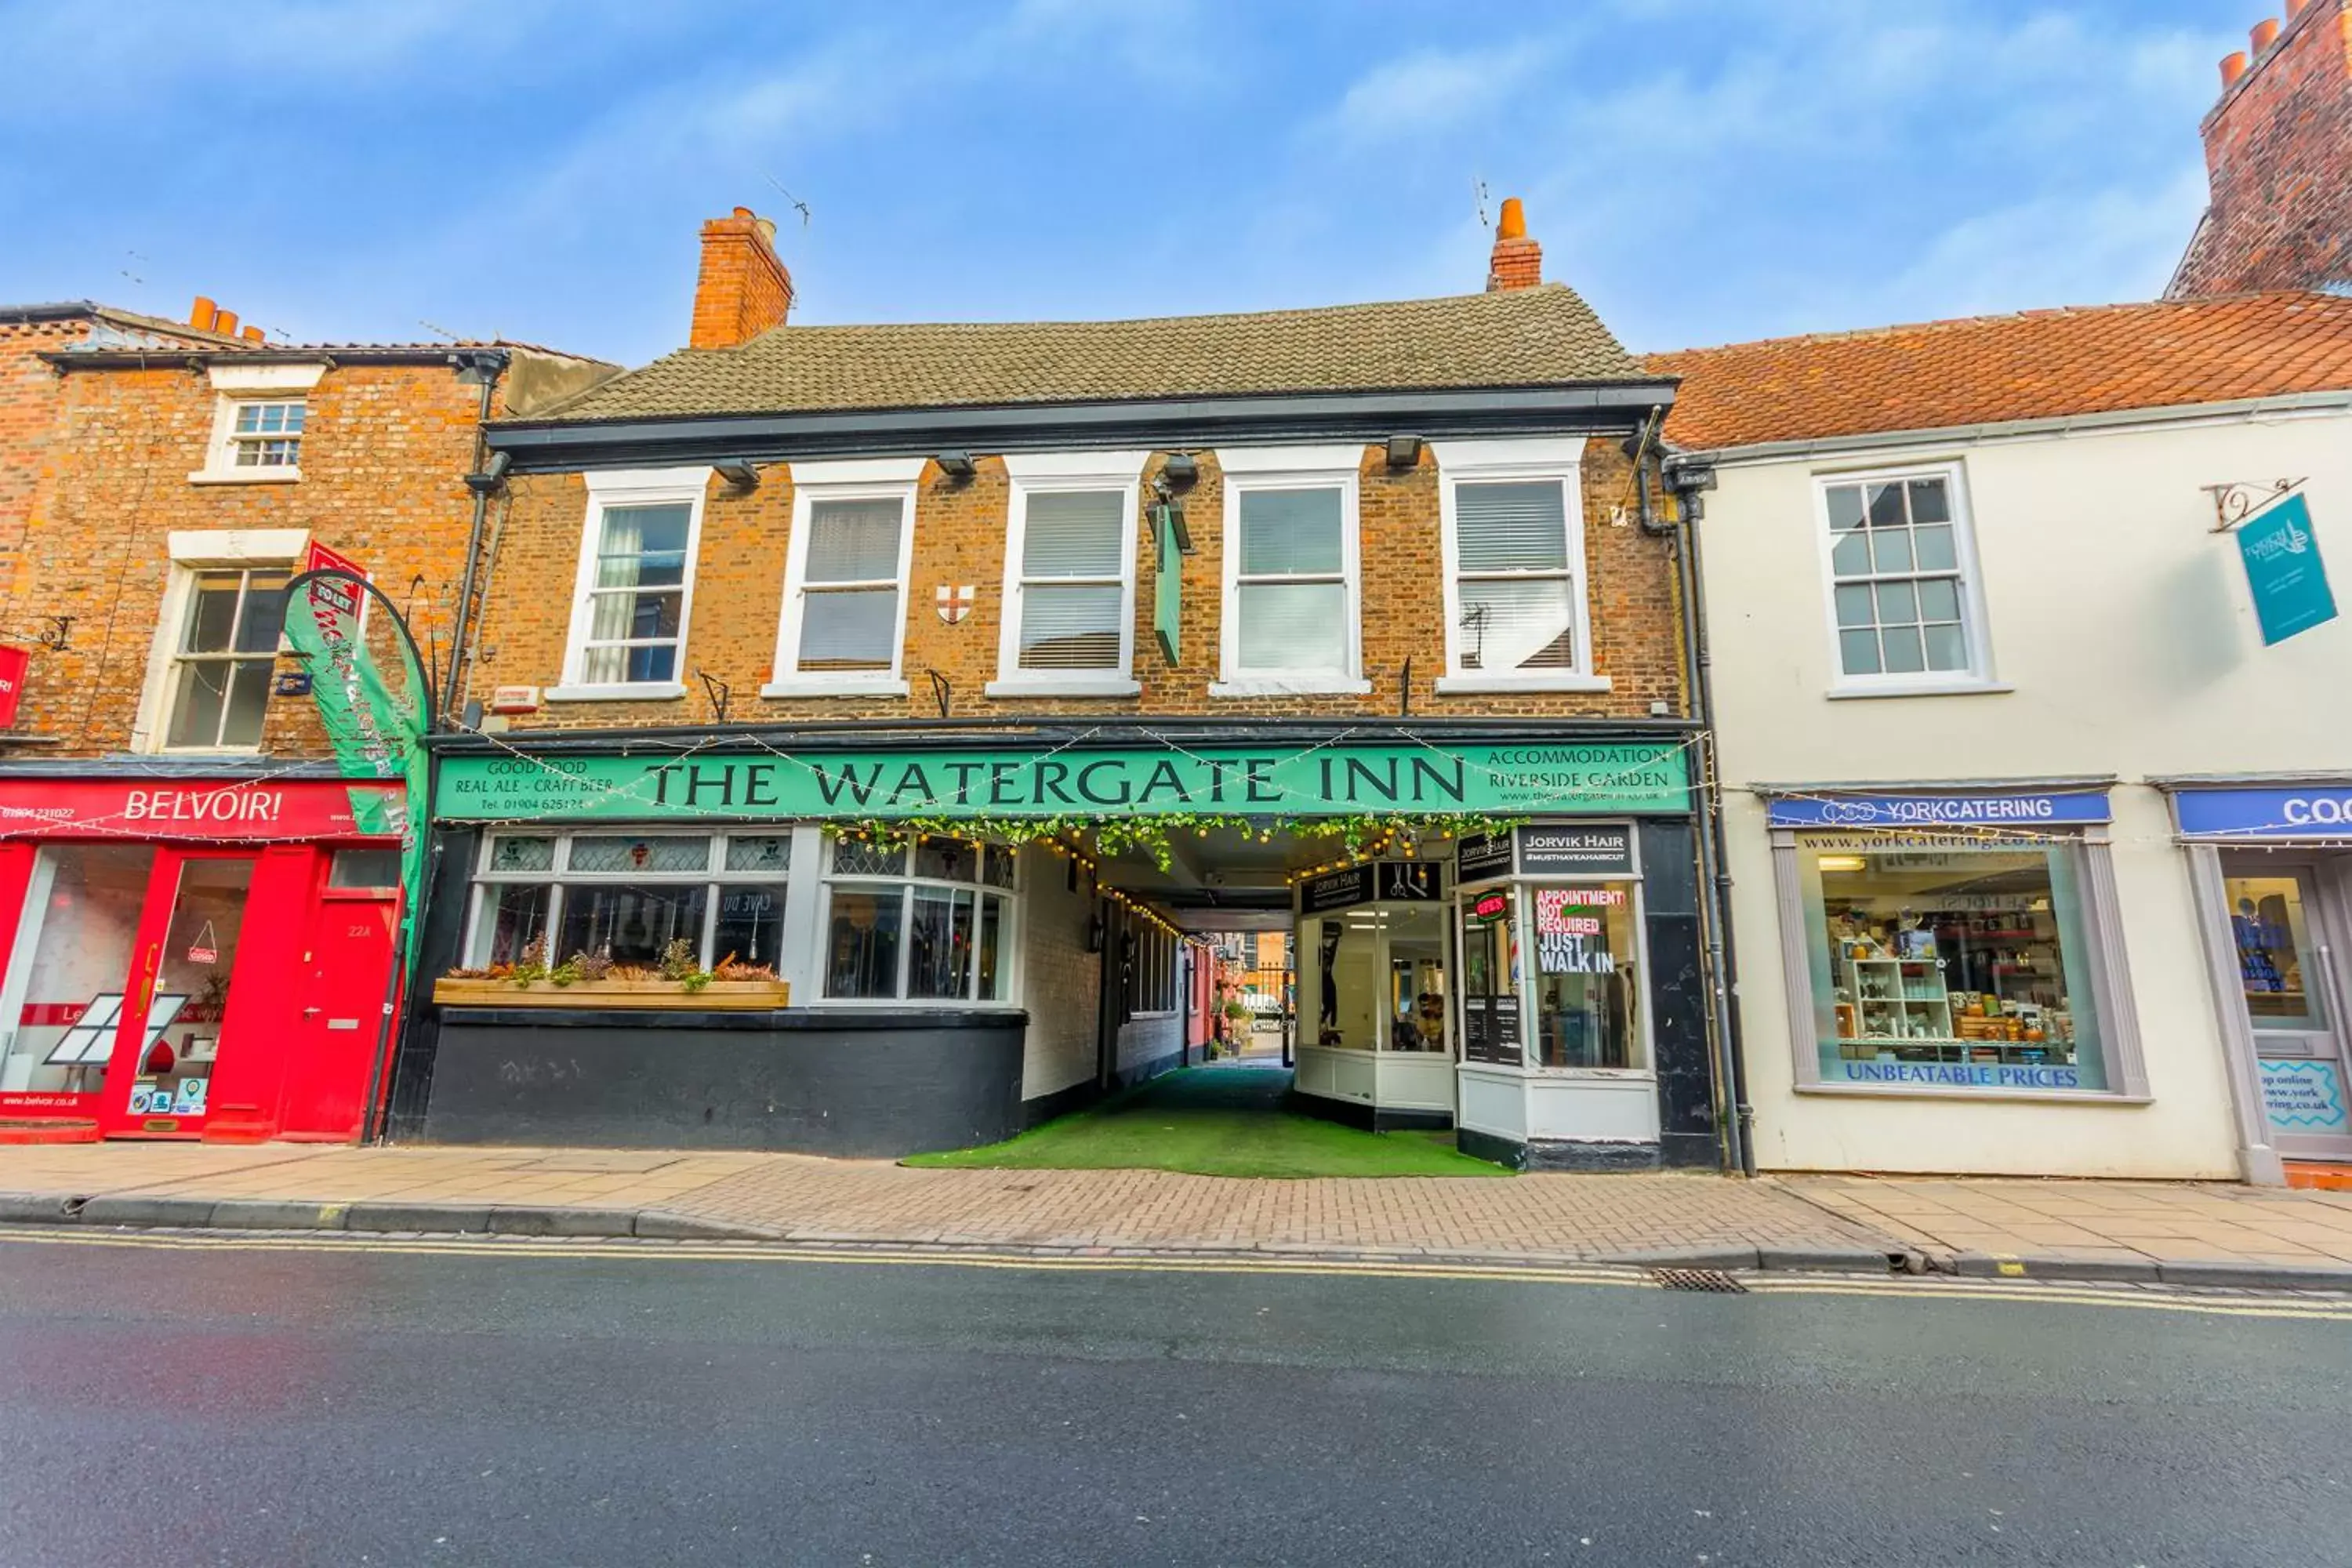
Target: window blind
(854, 540)
(1514, 527)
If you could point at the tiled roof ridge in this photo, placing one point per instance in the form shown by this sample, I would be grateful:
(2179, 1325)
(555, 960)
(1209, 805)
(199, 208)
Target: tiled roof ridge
(1285, 313)
(1999, 317)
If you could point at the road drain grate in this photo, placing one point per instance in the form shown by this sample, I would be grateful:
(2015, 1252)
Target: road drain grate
(1709, 1280)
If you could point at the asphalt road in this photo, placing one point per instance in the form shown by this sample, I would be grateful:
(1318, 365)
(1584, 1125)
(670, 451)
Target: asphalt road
(275, 1405)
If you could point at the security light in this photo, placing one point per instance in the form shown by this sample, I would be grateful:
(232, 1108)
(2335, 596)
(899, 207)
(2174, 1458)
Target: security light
(1404, 451)
(956, 465)
(741, 474)
(1181, 469)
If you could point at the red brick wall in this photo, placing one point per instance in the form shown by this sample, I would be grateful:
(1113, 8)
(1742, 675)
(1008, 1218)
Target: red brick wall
(28, 412)
(2278, 154)
(960, 532)
(382, 457)
(743, 288)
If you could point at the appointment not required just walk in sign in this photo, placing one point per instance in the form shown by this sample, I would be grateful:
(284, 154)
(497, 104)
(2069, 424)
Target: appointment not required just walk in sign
(1513, 780)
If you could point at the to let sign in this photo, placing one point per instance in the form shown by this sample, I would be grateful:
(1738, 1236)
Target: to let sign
(2283, 571)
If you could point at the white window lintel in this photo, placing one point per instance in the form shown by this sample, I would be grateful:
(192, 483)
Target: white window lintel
(253, 379)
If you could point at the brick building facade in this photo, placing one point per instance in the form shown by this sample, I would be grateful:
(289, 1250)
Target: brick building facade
(1319, 591)
(2278, 154)
(166, 790)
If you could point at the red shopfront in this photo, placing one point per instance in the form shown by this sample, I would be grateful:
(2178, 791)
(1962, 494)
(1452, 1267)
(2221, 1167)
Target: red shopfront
(194, 958)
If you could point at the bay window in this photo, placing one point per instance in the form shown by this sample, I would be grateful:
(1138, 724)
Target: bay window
(628, 896)
(931, 922)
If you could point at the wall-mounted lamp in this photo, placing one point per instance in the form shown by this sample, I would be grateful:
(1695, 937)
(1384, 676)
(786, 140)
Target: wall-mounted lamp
(742, 475)
(1404, 451)
(956, 466)
(1179, 469)
(493, 474)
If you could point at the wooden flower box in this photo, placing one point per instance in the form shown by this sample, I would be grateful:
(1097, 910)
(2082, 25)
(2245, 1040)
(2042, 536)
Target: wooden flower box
(719, 995)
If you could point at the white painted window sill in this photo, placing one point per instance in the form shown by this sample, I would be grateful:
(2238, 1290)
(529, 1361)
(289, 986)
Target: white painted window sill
(834, 686)
(1919, 688)
(1556, 1075)
(1290, 686)
(244, 476)
(618, 691)
(1933, 1092)
(1103, 686)
(1497, 685)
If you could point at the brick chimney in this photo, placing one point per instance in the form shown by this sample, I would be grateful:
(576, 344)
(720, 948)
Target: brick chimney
(2278, 161)
(1517, 261)
(744, 289)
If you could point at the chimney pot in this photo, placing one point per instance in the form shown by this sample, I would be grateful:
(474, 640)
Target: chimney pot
(1516, 261)
(2266, 34)
(201, 314)
(224, 323)
(744, 287)
(2233, 66)
(251, 334)
(2294, 8)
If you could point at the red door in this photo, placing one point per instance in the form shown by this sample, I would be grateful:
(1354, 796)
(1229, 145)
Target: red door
(341, 998)
(181, 1010)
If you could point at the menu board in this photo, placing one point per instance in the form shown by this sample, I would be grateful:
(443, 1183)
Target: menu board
(1490, 1030)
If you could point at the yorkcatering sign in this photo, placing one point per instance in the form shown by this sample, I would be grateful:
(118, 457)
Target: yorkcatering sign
(1304, 781)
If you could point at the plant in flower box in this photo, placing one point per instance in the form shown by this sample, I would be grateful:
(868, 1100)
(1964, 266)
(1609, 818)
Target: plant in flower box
(594, 979)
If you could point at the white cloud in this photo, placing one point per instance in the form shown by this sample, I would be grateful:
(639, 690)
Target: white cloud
(1430, 90)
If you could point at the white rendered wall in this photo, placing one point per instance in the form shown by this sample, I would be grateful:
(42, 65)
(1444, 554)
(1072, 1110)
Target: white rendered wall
(2124, 627)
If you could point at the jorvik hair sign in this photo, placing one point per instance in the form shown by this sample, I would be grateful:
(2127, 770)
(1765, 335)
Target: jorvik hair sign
(1307, 781)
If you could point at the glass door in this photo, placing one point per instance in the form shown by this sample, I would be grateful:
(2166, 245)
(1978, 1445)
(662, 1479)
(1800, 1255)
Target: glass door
(171, 1034)
(2281, 921)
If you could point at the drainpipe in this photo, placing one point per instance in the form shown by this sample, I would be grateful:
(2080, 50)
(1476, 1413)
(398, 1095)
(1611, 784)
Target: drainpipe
(484, 366)
(1739, 1143)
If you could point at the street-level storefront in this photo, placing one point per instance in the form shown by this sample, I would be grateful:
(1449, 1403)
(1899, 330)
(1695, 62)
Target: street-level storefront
(932, 945)
(191, 957)
(2271, 863)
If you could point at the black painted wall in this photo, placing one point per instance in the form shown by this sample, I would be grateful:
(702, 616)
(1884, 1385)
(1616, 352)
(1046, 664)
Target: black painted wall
(1678, 996)
(872, 1084)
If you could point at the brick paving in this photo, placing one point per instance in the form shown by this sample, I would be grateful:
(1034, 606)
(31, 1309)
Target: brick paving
(1536, 1217)
(2101, 1222)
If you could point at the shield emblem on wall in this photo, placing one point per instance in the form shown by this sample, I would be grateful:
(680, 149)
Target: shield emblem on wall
(955, 603)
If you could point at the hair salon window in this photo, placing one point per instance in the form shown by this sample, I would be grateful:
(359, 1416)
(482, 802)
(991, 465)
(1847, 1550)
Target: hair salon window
(1585, 973)
(1954, 962)
(629, 896)
(930, 922)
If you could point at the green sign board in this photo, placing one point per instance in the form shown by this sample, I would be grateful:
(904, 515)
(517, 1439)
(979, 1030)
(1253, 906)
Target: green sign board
(1167, 584)
(1515, 779)
(2283, 570)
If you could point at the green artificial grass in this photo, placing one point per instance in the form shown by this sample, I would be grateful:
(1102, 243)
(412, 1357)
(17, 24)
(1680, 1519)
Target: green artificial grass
(1214, 1121)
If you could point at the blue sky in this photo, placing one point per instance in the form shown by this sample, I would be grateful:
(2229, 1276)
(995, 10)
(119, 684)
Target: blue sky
(1703, 170)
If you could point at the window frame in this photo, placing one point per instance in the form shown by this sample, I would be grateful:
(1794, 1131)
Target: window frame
(2124, 1059)
(714, 878)
(618, 488)
(193, 552)
(1521, 462)
(1966, 572)
(1243, 470)
(181, 656)
(908, 881)
(234, 385)
(884, 478)
(1068, 473)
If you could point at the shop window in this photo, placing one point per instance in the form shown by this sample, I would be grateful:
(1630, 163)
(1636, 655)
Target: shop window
(1901, 596)
(929, 923)
(1289, 621)
(635, 584)
(629, 897)
(1586, 976)
(1151, 977)
(71, 963)
(221, 665)
(1376, 979)
(2275, 952)
(1949, 965)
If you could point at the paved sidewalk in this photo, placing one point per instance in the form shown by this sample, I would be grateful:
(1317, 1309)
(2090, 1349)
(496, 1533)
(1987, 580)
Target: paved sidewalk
(2184, 1232)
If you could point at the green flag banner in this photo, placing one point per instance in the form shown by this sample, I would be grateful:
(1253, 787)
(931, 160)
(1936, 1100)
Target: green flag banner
(1516, 778)
(374, 700)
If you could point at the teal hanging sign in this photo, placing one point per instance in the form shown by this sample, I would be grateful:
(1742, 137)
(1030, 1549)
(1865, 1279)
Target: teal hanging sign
(2283, 568)
(1521, 779)
(1167, 584)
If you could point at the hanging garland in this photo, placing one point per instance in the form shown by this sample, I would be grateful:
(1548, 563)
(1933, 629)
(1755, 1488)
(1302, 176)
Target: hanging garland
(1156, 836)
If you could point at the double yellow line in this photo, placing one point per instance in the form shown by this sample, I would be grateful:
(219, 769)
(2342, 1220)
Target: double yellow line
(2058, 1294)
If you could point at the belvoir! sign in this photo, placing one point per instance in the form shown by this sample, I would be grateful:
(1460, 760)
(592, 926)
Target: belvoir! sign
(1303, 781)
